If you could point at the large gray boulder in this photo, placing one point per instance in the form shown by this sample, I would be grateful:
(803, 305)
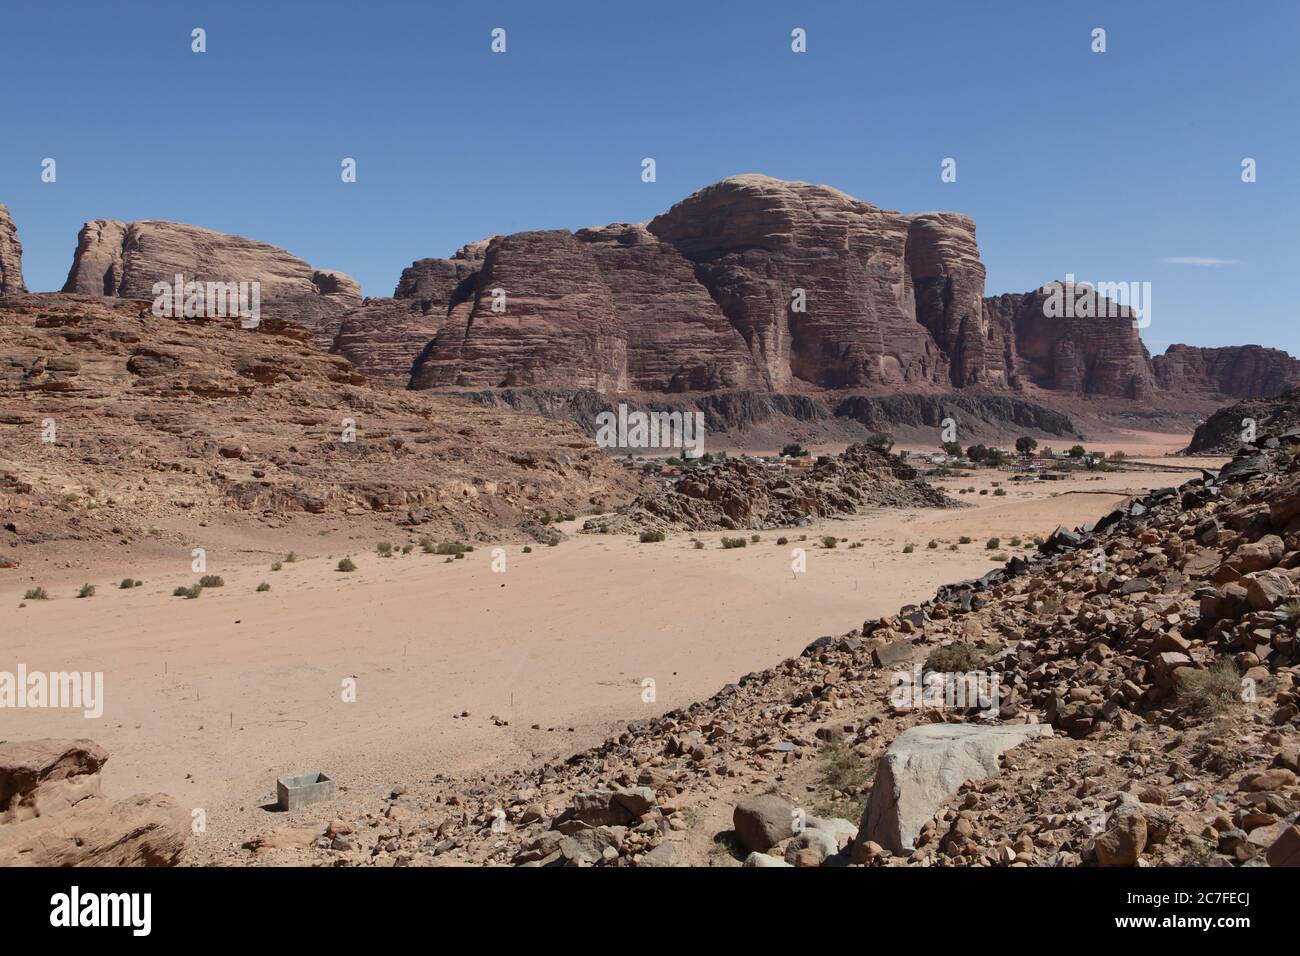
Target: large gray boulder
(926, 765)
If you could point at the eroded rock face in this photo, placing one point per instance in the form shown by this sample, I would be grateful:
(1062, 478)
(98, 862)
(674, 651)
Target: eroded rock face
(52, 812)
(1100, 354)
(11, 255)
(755, 241)
(1237, 371)
(126, 260)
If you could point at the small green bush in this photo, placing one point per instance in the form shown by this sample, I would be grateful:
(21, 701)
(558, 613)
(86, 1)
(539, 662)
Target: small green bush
(782, 540)
(87, 590)
(384, 549)
(909, 548)
(212, 581)
(964, 539)
(189, 593)
(128, 583)
(264, 586)
(276, 566)
(932, 545)
(734, 542)
(953, 659)
(650, 537)
(36, 594)
(829, 541)
(347, 564)
(992, 544)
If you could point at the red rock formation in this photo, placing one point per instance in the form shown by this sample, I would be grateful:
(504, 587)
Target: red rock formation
(11, 255)
(52, 812)
(756, 240)
(1101, 355)
(1236, 371)
(127, 259)
(752, 283)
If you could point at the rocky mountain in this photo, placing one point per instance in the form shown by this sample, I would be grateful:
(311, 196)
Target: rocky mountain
(127, 259)
(1236, 371)
(11, 255)
(762, 284)
(750, 284)
(99, 398)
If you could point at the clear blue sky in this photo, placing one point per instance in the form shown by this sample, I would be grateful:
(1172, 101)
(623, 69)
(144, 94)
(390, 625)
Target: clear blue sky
(1103, 165)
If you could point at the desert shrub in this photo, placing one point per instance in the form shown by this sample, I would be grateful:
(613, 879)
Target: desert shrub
(909, 548)
(87, 590)
(992, 544)
(264, 586)
(291, 557)
(1016, 542)
(212, 581)
(953, 659)
(782, 540)
(932, 544)
(650, 537)
(451, 547)
(128, 583)
(553, 542)
(276, 566)
(734, 542)
(964, 539)
(952, 547)
(984, 491)
(999, 492)
(830, 541)
(754, 539)
(460, 556)
(407, 548)
(1209, 692)
(528, 549)
(189, 593)
(384, 549)
(347, 564)
(699, 545)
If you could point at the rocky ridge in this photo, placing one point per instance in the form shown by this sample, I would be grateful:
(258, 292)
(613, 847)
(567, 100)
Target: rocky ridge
(736, 494)
(113, 418)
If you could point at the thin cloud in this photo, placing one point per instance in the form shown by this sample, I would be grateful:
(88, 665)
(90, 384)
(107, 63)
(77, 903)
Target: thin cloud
(1199, 261)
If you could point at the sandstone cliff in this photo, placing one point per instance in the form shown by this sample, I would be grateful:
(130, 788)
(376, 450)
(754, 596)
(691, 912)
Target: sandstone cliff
(11, 255)
(752, 283)
(126, 260)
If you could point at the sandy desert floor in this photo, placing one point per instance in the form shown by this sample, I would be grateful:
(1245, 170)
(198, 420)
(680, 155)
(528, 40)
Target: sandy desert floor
(458, 667)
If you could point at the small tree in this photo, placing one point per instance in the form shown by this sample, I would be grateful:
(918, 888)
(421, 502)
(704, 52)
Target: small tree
(952, 449)
(1078, 451)
(1026, 445)
(793, 450)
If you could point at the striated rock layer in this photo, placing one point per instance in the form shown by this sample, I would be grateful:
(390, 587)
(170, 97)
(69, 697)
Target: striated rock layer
(751, 283)
(126, 260)
(11, 255)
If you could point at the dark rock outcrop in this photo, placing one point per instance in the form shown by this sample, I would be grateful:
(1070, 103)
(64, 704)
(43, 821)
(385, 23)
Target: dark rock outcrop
(1226, 430)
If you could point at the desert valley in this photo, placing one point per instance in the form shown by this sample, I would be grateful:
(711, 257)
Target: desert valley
(378, 539)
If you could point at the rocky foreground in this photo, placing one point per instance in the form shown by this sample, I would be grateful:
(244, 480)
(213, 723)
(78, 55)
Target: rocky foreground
(736, 494)
(113, 420)
(1147, 713)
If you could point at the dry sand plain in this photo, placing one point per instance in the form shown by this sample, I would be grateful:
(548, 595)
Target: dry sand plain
(211, 699)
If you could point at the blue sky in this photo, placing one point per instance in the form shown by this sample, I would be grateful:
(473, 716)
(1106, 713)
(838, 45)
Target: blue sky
(1103, 165)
